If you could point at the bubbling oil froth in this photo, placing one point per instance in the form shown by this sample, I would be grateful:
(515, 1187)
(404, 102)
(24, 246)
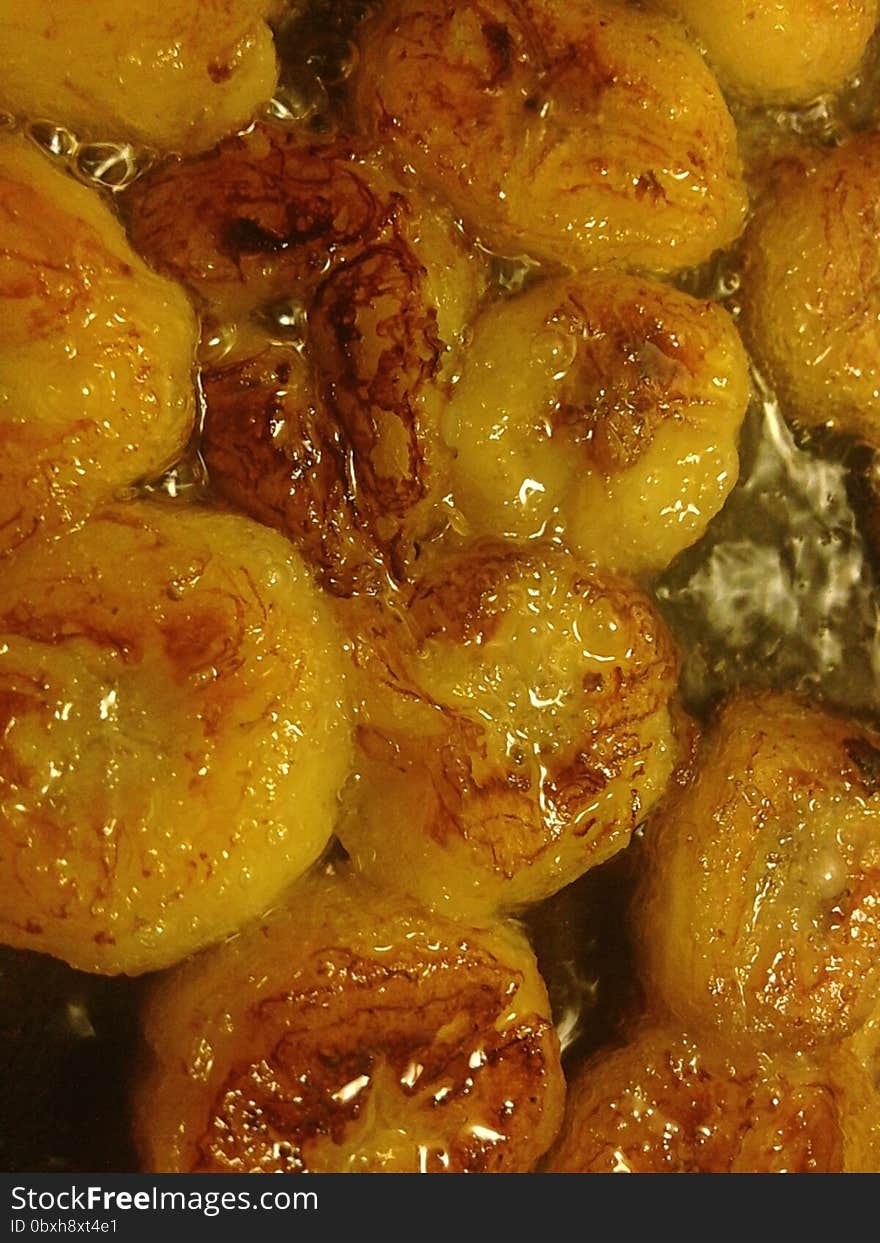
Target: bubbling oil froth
(781, 592)
(112, 166)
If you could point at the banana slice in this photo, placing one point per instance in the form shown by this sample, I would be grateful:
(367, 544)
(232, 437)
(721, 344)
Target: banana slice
(780, 51)
(287, 232)
(617, 426)
(351, 1033)
(581, 133)
(667, 1104)
(177, 75)
(97, 352)
(811, 288)
(174, 733)
(515, 727)
(762, 913)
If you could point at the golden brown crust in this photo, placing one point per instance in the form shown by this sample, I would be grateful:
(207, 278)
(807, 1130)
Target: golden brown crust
(96, 352)
(291, 1100)
(635, 370)
(811, 287)
(665, 1104)
(177, 75)
(616, 429)
(529, 118)
(761, 912)
(379, 348)
(175, 733)
(349, 1032)
(260, 215)
(515, 726)
(274, 451)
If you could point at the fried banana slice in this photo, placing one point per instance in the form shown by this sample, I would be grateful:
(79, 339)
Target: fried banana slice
(278, 224)
(780, 51)
(618, 424)
(174, 733)
(96, 352)
(762, 912)
(515, 727)
(177, 75)
(811, 288)
(352, 1033)
(667, 1104)
(531, 118)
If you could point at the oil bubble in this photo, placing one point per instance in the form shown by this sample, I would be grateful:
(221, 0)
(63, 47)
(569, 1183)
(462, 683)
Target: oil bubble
(297, 99)
(555, 351)
(113, 166)
(286, 321)
(52, 138)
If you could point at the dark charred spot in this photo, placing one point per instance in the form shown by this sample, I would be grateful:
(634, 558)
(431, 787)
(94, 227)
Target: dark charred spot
(219, 72)
(866, 758)
(500, 44)
(648, 187)
(269, 193)
(244, 236)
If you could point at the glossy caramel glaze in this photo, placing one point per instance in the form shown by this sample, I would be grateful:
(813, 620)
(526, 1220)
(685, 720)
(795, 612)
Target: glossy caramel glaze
(515, 727)
(617, 428)
(664, 1104)
(97, 352)
(352, 1032)
(450, 438)
(530, 117)
(174, 734)
(178, 75)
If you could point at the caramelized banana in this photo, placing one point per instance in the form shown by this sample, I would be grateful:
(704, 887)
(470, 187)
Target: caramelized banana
(811, 310)
(762, 915)
(618, 423)
(530, 118)
(280, 225)
(177, 75)
(96, 352)
(515, 727)
(780, 51)
(174, 733)
(665, 1104)
(350, 1033)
